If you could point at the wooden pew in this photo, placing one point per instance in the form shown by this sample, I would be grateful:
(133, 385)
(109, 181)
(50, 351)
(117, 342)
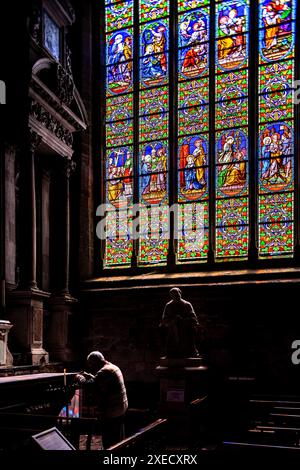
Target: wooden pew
(23, 425)
(148, 439)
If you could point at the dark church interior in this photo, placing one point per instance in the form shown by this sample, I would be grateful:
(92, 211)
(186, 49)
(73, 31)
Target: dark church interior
(158, 104)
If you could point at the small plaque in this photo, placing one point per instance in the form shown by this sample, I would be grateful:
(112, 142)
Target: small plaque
(175, 395)
(52, 439)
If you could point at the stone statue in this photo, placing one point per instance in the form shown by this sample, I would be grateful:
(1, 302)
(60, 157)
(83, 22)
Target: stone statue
(178, 324)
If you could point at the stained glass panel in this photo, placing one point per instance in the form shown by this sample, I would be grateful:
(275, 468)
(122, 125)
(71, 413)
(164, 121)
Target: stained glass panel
(119, 15)
(279, 47)
(117, 132)
(193, 170)
(119, 69)
(119, 107)
(231, 124)
(276, 76)
(193, 61)
(154, 101)
(185, 5)
(154, 119)
(193, 92)
(153, 9)
(192, 243)
(232, 154)
(276, 141)
(232, 85)
(154, 237)
(232, 113)
(232, 242)
(193, 119)
(193, 28)
(119, 246)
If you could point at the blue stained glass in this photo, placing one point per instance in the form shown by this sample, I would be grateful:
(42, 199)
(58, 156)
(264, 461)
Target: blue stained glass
(119, 47)
(154, 70)
(273, 13)
(51, 36)
(154, 38)
(193, 28)
(274, 46)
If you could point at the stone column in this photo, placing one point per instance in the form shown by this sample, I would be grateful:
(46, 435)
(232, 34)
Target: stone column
(62, 302)
(69, 168)
(28, 214)
(25, 308)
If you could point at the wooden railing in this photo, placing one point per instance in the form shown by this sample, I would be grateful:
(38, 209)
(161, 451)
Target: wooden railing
(149, 438)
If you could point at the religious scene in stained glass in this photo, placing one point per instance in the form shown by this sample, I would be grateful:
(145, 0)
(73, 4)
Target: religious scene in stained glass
(118, 60)
(276, 141)
(153, 180)
(206, 112)
(119, 176)
(232, 43)
(232, 154)
(231, 124)
(193, 174)
(154, 44)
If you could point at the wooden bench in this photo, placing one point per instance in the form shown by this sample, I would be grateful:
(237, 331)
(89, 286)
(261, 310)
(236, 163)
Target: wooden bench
(149, 438)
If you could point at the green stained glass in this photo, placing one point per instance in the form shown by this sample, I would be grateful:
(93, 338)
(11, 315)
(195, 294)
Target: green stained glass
(119, 15)
(232, 212)
(276, 240)
(276, 76)
(119, 245)
(154, 126)
(276, 106)
(231, 113)
(192, 243)
(276, 207)
(185, 5)
(154, 101)
(191, 120)
(232, 85)
(153, 9)
(232, 242)
(154, 235)
(119, 132)
(193, 93)
(119, 107)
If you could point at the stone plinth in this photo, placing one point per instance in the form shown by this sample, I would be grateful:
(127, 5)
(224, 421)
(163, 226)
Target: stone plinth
(181, 382)
(59, 332)
(26, 311)
(6, 359)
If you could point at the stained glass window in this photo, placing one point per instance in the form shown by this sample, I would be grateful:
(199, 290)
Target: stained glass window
(193, 127)
(276, 128)
(153, 132)
(52, 35)
(119, 162)
(199, 131)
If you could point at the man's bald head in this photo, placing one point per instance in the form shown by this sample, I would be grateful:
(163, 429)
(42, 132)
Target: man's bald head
(175, 293)
(95, 360)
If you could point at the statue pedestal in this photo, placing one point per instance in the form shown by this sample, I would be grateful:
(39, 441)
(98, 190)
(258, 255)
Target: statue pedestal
(181, 382)
(6, 359)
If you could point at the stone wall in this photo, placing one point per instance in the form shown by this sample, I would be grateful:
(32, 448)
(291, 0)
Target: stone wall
(245, 328)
